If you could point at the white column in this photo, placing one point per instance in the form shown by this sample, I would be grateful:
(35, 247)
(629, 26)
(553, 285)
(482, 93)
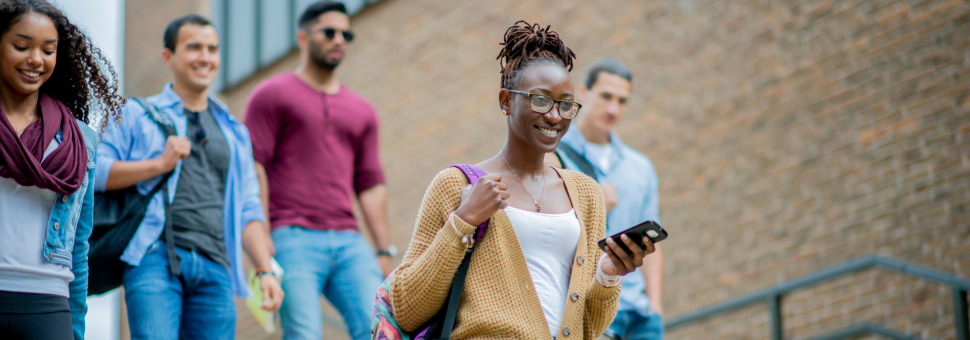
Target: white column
(104, 22)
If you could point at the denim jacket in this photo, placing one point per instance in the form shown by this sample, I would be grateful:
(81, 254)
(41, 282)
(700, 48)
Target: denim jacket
(138, 138)
(68, 229)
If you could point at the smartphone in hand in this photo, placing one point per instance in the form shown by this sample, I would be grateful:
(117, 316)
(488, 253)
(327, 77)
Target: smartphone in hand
(636, 233)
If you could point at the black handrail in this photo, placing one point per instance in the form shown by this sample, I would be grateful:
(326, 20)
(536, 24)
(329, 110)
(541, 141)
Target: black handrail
(856, 331)
(773, 296)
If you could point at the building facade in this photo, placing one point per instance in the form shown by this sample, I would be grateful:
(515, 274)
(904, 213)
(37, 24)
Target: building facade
(789, 136)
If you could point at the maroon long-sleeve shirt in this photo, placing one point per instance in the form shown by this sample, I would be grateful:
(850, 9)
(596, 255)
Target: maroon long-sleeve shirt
(318, 150)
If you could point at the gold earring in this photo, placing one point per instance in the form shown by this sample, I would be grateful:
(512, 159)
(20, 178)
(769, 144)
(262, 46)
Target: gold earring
(505, 113)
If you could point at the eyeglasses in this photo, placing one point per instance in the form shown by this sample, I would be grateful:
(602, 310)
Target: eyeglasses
(331, 33)
(198, 132)
(543, 104)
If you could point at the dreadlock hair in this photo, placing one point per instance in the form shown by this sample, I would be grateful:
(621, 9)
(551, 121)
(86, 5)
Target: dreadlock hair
(529, 44)
(82, 79)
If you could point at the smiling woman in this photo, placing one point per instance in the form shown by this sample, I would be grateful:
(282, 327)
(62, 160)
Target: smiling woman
(50, 80)
(543, 223)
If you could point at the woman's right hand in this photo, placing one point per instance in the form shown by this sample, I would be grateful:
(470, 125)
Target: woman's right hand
(478, 203)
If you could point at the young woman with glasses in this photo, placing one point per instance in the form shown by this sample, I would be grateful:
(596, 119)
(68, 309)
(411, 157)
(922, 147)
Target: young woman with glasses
(51, 79)
(537, 273)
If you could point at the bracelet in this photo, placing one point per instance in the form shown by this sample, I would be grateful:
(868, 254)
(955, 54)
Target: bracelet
(468, 240)
(606, 280)
(260, 273)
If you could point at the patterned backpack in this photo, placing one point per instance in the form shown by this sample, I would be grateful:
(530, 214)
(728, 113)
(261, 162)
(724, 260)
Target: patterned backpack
(383, 324)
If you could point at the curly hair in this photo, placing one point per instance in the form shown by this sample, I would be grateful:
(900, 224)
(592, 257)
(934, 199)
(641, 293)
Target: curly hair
(529, 44)
(83, 79)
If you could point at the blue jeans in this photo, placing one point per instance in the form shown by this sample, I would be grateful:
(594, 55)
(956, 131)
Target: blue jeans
(630, 325)
(341, 265)
(196, 305)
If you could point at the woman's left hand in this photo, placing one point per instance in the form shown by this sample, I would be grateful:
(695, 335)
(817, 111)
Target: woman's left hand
(618, 261)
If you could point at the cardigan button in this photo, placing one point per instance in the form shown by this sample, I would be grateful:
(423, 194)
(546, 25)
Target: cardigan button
(579, 259)
(57, 226)
(52, 254)
(574, 296)
(566, 331)
(63, 199)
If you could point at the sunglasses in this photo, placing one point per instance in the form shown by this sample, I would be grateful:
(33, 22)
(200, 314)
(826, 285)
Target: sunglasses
(331, 33)
(197, 132)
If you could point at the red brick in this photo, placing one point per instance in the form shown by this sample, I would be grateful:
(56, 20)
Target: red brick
(811, 131)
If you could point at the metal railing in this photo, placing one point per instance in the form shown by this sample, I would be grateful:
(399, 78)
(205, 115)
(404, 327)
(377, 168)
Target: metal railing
(773, 297)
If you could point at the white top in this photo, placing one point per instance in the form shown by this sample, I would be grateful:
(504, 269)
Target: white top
(24, 214)
(549, 244)
(600, 155)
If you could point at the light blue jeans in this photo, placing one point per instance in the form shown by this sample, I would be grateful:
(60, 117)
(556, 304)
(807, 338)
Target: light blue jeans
(341, 265)
(199, 304)
(631, 325)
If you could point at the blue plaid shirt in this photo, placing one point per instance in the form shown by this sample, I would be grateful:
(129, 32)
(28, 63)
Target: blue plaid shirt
(636, 190)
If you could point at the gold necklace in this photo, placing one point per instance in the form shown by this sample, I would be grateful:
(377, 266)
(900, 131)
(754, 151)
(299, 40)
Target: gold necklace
(537, 203)
(20, 131)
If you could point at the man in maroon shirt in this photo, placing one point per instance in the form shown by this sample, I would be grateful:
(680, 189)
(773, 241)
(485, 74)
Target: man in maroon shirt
(315, 144)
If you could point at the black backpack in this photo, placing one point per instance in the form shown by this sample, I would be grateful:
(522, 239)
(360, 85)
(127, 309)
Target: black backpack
(117, 215)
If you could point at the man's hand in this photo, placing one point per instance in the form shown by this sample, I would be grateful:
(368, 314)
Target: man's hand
(385, 262)
(125, 174)
(272, 293)
(609, 194)
(176, 148)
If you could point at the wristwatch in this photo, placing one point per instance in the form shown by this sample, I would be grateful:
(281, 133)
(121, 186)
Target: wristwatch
(390, 251)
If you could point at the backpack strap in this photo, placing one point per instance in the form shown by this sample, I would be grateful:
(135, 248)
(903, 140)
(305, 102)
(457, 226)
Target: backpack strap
(473, 173)
(168, 129)
(162, 121)
(584, 164)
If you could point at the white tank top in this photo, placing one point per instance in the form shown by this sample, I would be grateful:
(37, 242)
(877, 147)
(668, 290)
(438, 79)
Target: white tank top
(549, 244)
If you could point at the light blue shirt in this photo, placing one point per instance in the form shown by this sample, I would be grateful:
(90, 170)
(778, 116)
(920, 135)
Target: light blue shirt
(637, 195)
(138, 138)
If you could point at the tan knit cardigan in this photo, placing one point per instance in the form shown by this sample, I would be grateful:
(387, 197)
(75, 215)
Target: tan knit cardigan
(499, 301)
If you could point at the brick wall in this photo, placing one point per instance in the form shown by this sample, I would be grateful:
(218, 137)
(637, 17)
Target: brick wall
(145, 22)
(788, 135)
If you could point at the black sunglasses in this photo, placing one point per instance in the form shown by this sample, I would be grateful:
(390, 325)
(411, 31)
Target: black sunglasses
(331, 33)
(198, 132)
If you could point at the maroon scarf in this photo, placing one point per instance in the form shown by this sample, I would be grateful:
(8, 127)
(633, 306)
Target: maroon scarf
(64, 169)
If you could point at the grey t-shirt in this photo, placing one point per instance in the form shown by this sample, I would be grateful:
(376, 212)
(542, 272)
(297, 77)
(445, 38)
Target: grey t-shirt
(200, 195)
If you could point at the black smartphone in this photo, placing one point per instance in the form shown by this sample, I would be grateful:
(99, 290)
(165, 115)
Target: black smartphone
(636, 233)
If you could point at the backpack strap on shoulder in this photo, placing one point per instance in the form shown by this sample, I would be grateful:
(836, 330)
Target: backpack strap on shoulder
(164, 123)
(585, 166)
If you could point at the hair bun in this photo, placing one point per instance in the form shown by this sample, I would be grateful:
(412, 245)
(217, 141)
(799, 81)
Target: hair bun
(524, 42)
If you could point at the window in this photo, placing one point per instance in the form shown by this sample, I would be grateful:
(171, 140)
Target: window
(258, 33)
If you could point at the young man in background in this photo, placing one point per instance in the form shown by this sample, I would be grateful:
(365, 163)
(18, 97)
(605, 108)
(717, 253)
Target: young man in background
(180, 285)
(315, 143)
(629, 183)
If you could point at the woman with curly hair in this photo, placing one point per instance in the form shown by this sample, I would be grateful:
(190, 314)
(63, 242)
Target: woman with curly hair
(537, 273)
(51, 79)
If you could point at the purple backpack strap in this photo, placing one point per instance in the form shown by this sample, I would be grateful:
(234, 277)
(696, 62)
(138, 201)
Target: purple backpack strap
(473, 173)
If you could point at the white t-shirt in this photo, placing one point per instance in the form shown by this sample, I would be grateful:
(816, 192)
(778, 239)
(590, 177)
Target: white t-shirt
(600, 155)
(549, 244)
(24, 214)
